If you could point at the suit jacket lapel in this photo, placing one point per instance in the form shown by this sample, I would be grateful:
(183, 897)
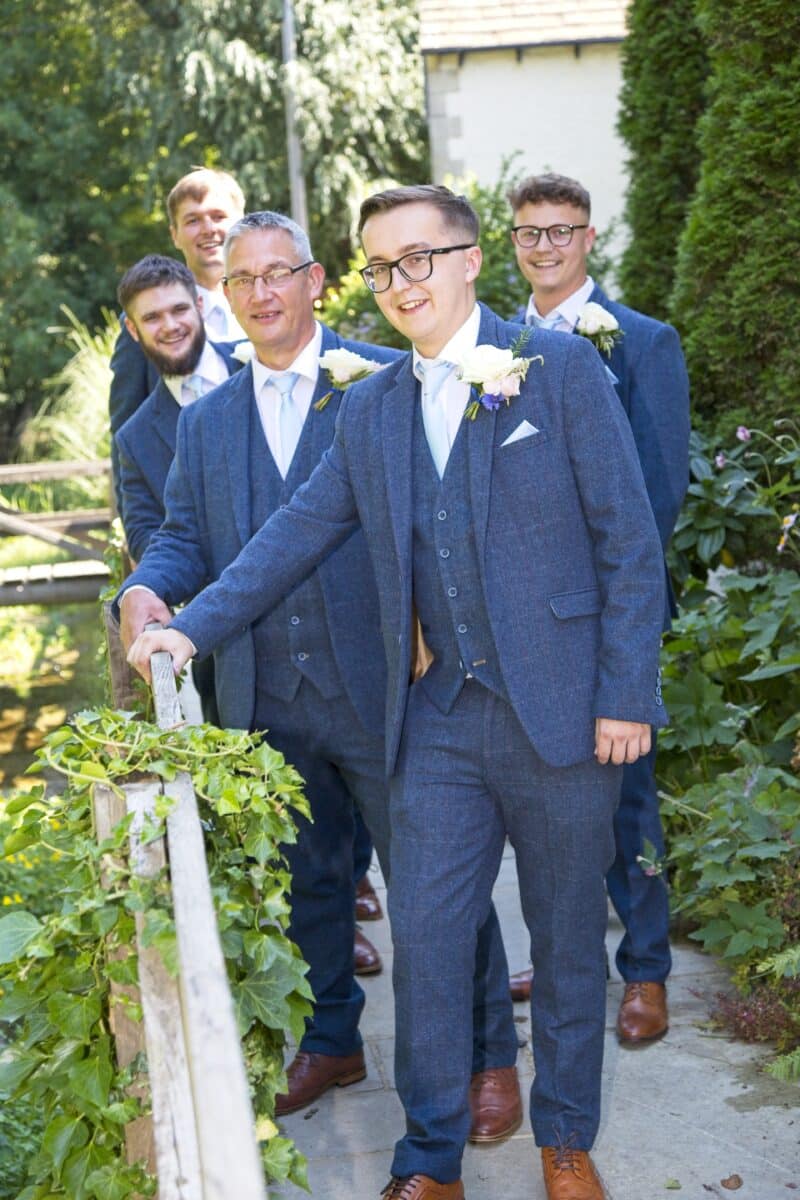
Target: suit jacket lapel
(397, 423)
(481, 435)
(165, 415)
(236, 443)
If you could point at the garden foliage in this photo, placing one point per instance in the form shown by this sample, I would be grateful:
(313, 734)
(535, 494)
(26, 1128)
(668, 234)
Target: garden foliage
(664, 67)
(63, 942)
(728, 763)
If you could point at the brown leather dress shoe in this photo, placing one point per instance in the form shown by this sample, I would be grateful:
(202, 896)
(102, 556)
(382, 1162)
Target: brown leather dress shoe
(366, 960)
(642, 1013)
(309, 1075)
(570, 1175)
(521, 984)
(422, 1187)
(495, 1104)
(368, 906)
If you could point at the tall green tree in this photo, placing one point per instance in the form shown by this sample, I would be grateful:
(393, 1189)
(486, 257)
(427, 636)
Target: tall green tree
(736, 288)
(664, 69)
(103, 107)
(71, 168)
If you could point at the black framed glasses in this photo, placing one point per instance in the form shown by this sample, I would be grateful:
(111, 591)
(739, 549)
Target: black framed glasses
(415, 267)
(278, 277)
(557, 235)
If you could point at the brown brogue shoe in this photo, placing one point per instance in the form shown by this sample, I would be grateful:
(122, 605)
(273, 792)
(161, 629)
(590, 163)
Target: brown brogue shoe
(495, 1104)
(421, 1187)
(368, 906)
(521, 985)
(642, 1013)
(570, 1175)
(366, 959)
(309, 1075)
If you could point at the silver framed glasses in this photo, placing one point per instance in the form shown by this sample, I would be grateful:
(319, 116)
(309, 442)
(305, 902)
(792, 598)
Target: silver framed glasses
(278, 277)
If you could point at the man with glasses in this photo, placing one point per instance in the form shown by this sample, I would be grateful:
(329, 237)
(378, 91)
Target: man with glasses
(509, 530)
(552, 235)
(313, 674)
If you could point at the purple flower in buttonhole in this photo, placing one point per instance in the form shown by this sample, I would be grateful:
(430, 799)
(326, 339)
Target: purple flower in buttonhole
(743, 433)
(720, 460)
(491, 402)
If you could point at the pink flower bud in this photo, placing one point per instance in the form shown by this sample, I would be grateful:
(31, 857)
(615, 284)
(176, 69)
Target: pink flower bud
(743, 433)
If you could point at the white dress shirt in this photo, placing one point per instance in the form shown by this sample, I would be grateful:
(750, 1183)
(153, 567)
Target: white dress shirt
(568, 310)
(212, 369)
(306, 367)
(221, 325)
(454, 394)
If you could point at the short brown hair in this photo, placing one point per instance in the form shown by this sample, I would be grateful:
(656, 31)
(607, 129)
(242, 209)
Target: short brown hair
(456, 210)
(197, 183)
(550, 188)
(154, 270)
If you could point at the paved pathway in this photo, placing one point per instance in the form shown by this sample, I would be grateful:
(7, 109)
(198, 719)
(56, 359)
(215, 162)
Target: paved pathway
(692, 1110)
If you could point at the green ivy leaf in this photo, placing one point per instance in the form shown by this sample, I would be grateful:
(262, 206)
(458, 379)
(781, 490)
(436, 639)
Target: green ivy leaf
(17, 931)
(63, 1134)
(74, 1016)
(105, 1184)
(91, 1078)
(15, 1067)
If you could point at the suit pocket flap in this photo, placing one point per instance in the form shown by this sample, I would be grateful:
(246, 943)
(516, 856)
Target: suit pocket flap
(576, 604)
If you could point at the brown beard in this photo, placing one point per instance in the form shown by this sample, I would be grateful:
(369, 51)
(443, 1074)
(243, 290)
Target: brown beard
(186, 363)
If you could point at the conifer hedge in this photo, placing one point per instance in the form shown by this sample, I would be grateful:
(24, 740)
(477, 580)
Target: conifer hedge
(664, 68)
(737, 281)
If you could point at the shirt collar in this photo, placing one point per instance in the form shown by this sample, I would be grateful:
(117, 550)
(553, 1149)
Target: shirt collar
(222, 324)
(210, 366)
(306, 364)
(463, 340)
(570, 309)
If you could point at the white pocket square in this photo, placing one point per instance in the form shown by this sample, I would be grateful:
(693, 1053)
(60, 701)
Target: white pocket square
(523, 430)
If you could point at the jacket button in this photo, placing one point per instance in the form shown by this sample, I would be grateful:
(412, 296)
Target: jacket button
(462, 629)
(295, 620)
(452, 591)
(302, 656)
(444, 553)
(442, 515)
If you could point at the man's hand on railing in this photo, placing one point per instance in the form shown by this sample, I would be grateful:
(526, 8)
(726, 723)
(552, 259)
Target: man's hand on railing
(137, 608)
(176, 644)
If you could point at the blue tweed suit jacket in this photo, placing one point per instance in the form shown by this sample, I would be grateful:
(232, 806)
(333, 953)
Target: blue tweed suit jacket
(571, 564)
(654, 389)
(208, 521)
(146, 448)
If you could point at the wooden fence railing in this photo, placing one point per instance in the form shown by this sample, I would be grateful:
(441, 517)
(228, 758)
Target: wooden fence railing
(81, 579)
(200, 1140)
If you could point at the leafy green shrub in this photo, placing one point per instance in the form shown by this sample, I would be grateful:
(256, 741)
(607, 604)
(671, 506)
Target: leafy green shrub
(730, 779)
(57, 959)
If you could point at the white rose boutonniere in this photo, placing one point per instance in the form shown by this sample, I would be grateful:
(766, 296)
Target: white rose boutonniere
(244, 352)
(345, 367)
(599, 326)
(497, 372)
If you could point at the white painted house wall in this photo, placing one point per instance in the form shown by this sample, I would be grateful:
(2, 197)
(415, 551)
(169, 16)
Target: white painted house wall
(556, 105)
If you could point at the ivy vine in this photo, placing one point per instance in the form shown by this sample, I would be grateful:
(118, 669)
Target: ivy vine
(57, 964)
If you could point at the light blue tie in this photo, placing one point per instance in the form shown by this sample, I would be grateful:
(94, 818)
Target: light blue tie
(433, 373)
(290, 422)
(549, 322)
(195, 385)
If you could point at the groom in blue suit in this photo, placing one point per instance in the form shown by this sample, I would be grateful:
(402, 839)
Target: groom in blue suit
(552, 237)
(521, 549)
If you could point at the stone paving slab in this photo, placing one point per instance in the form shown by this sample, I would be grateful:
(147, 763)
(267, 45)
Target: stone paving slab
(694, 1108)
